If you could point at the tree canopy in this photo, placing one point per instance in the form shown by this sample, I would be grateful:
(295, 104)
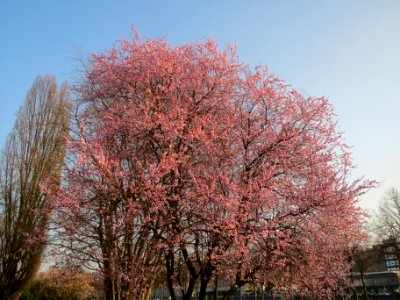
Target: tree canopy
(187, 163)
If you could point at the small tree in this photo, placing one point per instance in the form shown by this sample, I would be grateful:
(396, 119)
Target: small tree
(34, 153)
(363, 260)
(69, 283)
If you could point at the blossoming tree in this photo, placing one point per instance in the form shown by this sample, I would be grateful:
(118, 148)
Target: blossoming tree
(184, 162)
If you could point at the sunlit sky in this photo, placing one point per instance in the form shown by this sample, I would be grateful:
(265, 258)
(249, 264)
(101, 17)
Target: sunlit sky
(348, 51)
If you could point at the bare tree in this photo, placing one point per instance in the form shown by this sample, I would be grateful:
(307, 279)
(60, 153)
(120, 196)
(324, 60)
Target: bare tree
(387, 220)
(33, 156)
(386, 227)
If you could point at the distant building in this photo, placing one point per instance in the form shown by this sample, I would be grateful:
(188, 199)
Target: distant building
(378, 282)
(387, 256)
(379, 268)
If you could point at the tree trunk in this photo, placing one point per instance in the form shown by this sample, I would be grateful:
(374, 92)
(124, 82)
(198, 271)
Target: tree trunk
(364, 286)
(109, 289)
(230, 292)
(190, 289)
(203, 288)
(146, 295)
(169, 261)
(205, 278)
(216, 288)
(5, 295)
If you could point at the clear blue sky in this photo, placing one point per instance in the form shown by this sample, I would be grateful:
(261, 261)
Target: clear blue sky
(346, 50)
